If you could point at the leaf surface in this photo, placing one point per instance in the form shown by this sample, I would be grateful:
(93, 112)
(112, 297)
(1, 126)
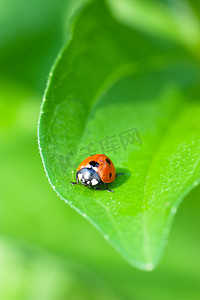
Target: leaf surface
(134, 97)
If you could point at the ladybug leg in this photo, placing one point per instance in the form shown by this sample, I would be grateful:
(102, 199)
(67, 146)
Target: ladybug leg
(119, 174)
(96, 188)
(76, 180)
(107, 188)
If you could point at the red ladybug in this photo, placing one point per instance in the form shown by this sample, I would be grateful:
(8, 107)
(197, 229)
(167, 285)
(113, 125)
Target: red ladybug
(96, 170)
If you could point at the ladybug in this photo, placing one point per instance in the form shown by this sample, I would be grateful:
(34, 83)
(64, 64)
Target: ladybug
(96, 170)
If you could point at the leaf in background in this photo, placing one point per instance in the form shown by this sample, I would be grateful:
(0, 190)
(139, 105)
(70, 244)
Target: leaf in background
(108, 80)
(176, 20)
(31, 37)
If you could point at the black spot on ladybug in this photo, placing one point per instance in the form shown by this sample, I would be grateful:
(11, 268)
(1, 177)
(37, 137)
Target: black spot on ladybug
(94, 163)
(110, 175)
(108, 161)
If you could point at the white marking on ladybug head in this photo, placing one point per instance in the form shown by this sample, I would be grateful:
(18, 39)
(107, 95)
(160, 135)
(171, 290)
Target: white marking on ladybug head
(87, 175)
(88, 166)
(94, 182)
(95, 168)
(80, 176)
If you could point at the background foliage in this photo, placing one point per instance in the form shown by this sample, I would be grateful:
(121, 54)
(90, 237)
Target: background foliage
(47, 250)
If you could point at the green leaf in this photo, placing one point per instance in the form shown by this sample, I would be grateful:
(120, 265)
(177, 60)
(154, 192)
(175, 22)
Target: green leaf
(162, 18)
(30, 39)
(109, 80)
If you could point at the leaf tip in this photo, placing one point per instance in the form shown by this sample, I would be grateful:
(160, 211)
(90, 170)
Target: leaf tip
(149, 267)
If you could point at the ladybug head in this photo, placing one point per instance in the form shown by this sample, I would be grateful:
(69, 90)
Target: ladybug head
(88, 177)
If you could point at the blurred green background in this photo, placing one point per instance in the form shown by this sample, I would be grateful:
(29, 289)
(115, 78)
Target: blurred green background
(48, 251)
